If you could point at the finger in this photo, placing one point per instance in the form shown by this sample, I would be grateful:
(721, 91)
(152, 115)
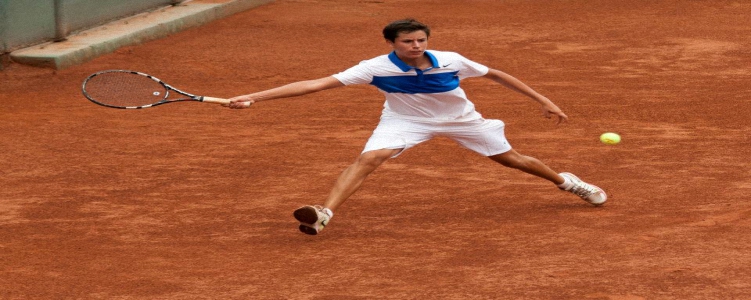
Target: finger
(239, 104)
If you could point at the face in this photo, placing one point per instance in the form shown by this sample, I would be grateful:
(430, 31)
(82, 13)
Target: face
(410, 46)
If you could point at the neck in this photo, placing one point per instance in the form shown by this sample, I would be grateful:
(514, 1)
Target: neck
(422, 62)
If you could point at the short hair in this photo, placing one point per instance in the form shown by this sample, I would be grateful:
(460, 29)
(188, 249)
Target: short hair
(393, 29)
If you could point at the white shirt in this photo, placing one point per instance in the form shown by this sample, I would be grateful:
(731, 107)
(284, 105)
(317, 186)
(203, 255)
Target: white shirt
(432, 94)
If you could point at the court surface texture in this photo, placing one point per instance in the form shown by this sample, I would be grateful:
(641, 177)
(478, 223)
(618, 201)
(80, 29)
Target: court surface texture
(195, 201)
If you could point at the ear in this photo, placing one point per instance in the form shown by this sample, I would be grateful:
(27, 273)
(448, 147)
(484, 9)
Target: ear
(390, 43)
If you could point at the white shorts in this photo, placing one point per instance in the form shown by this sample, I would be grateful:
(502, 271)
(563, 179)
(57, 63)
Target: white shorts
(483, 136)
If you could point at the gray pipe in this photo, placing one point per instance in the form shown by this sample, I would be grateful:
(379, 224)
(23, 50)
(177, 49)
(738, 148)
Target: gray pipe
(61, 25)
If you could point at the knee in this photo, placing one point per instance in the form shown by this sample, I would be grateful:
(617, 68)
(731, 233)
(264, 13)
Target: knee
(512, 160)
(372, 159)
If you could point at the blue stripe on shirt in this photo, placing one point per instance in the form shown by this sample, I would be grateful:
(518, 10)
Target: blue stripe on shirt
(418, 84)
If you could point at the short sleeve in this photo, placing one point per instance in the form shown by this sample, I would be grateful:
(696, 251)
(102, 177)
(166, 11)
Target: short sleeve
(359, 74)
(470, 68)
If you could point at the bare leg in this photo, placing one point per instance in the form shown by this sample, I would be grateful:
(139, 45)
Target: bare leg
(353, 176)
(527, 164)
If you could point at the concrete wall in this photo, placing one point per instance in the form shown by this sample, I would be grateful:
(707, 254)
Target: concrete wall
(29, 22)
(25, 22)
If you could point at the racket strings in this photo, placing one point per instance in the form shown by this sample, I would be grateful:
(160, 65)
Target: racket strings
(124, 89)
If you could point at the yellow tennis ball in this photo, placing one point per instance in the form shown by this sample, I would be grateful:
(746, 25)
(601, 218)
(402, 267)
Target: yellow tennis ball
(610, 138)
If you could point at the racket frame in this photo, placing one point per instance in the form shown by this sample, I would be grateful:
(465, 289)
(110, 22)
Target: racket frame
(167, 87)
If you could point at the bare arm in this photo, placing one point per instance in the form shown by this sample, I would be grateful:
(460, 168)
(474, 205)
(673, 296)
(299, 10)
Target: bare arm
(290, 90)
(548, 107)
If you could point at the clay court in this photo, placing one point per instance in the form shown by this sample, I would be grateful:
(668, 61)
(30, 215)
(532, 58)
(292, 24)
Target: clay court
(195, 201)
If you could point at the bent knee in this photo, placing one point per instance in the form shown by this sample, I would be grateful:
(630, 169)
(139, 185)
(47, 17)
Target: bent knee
(375, 158)
(511, 159)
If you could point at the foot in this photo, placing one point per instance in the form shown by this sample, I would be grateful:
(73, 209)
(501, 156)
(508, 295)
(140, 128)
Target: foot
(589, 192)
(312, 218)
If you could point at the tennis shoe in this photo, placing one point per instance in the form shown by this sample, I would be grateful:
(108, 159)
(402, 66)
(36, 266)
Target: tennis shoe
(589, 192)
(312, 218)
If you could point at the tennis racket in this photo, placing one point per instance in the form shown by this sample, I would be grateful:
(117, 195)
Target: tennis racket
(134, 90)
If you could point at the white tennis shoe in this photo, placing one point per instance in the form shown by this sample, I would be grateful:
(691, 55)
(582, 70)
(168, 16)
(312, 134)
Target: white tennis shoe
(589, 192)
(312, 218)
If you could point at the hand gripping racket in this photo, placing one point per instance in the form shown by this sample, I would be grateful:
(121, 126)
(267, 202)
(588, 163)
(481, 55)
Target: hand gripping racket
(134, 90)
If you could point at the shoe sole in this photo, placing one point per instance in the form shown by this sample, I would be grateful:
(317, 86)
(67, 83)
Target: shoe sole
(307, 215)
(308, 230)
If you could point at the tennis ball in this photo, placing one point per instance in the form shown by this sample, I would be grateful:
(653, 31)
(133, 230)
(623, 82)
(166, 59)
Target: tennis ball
(610, 138)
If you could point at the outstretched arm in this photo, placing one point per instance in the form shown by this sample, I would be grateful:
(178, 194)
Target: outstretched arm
(548, 107)
(290, 90)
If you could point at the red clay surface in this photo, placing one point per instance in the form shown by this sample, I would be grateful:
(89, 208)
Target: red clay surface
(195, 201)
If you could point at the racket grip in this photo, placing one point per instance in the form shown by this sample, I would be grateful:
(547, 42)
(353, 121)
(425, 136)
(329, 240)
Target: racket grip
(215, 100)
(219, 101)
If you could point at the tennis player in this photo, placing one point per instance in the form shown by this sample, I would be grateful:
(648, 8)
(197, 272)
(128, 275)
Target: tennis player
(423, 100)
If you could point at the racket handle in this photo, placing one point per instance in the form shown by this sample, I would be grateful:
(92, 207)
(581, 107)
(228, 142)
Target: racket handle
(219, 100)
(215, 100)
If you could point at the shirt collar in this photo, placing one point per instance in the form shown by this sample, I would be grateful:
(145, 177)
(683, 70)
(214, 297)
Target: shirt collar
(405, 67)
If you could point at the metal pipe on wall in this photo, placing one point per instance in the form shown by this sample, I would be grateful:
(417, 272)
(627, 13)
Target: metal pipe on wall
(61, 25)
